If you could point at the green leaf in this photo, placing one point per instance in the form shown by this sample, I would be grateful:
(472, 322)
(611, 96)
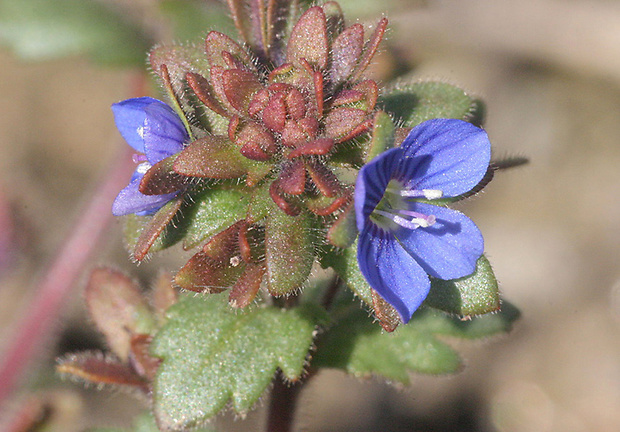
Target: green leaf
(260, 203)
(213, 355)
(202, 216)
(359, 346)
(343, 232)
(133, 227)
(215, 209)
(166, 226)
(49, 29)
(411, 104)
(472, 328)
(476, 294)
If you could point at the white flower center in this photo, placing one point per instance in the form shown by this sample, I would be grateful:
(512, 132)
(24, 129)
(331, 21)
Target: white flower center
(393, 209)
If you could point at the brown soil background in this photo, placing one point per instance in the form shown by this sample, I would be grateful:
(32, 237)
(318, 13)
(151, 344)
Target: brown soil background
(549, 71)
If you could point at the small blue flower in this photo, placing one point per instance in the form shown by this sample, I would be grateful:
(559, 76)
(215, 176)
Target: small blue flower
(156, 132)
(404, 239)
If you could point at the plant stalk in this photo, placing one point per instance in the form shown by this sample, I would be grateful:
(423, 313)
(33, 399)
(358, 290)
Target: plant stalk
(281, 414)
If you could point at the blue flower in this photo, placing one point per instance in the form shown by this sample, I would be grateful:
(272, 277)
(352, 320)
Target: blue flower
(404, 239)
(156, 132)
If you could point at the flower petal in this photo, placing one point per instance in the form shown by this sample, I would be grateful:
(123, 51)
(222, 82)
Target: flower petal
(391, 271)
(449, 248)
(372, 181)
(446, 154)
(129, 117)
(131, 200)
(164, 132)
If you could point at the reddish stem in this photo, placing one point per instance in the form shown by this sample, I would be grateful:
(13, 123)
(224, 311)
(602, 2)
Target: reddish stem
(41, 314)
(281, 414)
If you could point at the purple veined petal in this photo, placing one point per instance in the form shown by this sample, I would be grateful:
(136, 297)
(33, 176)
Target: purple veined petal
(164, 132)
(371, 183)
(391, 271)
(129, 117)
(446, 154)
(449, 248)
(131, 200)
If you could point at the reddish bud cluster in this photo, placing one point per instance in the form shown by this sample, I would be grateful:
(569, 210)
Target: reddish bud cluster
(278, 108)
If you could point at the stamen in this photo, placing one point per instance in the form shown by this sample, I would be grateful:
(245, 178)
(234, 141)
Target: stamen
(430, 219)
(429, 194)
(143, 168)
(419, 220)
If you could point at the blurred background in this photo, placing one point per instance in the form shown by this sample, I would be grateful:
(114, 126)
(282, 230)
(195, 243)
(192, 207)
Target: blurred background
(549, 72)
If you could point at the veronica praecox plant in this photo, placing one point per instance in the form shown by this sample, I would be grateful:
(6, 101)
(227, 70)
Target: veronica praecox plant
(275, 155)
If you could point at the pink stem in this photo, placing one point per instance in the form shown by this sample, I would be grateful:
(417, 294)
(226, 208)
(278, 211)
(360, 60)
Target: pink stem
(41, 314)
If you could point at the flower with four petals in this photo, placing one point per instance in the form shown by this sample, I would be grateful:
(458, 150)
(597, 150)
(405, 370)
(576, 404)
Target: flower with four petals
(404, 238)
(156, 132)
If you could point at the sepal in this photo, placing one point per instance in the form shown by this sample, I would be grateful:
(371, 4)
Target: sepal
(211, 157)
(476, 294)
(289, 251)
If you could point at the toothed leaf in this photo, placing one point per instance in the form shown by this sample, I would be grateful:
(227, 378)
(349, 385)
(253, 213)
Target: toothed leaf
(213, 355)
(359, 346)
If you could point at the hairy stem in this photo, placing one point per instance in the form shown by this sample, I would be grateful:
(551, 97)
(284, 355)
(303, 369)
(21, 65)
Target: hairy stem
(281, 414)
(331, 292)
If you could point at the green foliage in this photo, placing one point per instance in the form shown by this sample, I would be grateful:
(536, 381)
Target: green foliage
(288, 250)
(135, 226)
(359, 346)
(476, 294)
(215, 209)
(213, 354)
(345, 265)
(382, 135)
(411, 104)
(48, 29)
(204, 215)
